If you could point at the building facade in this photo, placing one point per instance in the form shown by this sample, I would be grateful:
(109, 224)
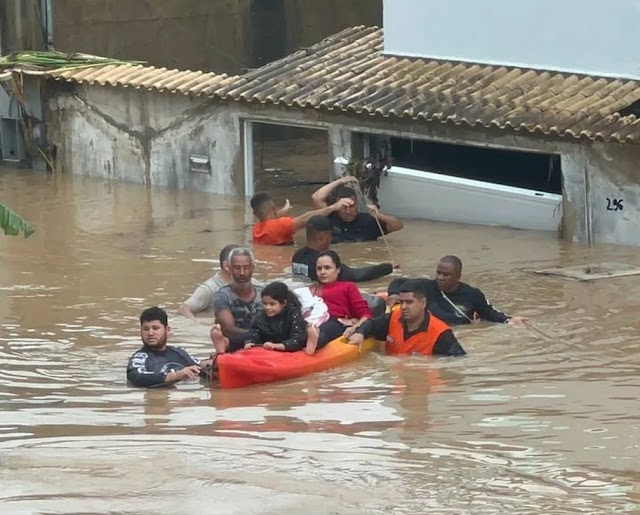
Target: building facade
(521, 146)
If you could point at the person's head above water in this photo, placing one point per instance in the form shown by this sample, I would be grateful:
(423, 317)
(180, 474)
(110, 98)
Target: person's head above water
(347, 213)
(448, 273)
(328, 266)
(393, 290)
(412, 297)
(263, 206)
(241, 267)
(276, 297)
(224, 260)
(154, 328)
(319, 232)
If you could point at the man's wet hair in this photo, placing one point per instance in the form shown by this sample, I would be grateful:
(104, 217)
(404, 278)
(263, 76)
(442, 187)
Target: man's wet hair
(241, 251)
(452, 260)
(154, 313)
(318, 224)
(259, 201)
(344, 192)
(415, 286)
(224, 253)
(395, 285)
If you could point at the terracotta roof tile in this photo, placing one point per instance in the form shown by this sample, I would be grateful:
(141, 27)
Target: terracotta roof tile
(147, 77)
(349, 72)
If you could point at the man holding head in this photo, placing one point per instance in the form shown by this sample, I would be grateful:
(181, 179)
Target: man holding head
(411, 329)
(348, 223)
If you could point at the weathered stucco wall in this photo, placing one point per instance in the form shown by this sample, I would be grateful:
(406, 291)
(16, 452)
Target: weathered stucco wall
(602, 193)
(144, 137)
(614, 192)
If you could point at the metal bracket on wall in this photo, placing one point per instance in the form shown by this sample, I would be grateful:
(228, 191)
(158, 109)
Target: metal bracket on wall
(199, 164)
(11, 140)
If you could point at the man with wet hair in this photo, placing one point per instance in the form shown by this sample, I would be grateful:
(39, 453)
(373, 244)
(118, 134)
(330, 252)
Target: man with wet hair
(202, 298)
(273, 227)
(411, 329)
(348, 224)
(236, 304)
(456, 302)
(318, 231)
(156, 363)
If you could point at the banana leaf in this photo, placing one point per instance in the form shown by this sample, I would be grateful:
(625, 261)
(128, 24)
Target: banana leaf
(11, 223)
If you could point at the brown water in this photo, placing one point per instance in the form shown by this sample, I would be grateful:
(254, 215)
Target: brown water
(522, 425)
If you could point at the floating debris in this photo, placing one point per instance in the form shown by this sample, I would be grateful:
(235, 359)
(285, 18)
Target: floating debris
(591, 272)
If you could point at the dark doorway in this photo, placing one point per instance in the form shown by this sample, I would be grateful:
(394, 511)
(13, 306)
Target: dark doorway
(291, 166)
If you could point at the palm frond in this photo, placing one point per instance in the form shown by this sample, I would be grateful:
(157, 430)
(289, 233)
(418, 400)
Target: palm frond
(11, 223)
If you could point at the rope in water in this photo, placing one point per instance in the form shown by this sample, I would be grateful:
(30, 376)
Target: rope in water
(375, 215)
(527, 324)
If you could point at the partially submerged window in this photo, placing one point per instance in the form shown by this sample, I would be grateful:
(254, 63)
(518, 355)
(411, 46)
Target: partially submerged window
(540, 172)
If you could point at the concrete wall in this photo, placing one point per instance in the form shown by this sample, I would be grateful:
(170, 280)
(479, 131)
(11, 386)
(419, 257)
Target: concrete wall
(585, 36)
(147, 137)
(613, 192)
(143, 137)
(220, 35)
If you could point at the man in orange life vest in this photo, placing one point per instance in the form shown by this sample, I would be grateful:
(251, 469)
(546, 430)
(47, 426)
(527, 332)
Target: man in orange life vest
(410, 328)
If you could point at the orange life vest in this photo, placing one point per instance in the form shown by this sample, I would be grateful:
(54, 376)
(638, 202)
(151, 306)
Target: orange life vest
(422, 342)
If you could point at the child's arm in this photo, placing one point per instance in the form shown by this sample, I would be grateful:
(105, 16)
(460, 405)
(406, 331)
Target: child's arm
(285, 210)
(254, 336)
(275, 346)
(298, 333)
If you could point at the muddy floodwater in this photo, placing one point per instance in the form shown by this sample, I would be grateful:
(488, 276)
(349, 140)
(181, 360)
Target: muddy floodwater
(523, 424)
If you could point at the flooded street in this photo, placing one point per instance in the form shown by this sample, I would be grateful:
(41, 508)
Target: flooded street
(521, 425)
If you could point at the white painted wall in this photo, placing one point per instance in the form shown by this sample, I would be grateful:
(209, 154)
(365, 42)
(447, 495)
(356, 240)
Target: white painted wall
(145, 137)
(587, 36)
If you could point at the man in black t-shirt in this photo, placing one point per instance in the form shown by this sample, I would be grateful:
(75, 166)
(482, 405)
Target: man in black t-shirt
(303, 261)
(470, 303)
(349, 225)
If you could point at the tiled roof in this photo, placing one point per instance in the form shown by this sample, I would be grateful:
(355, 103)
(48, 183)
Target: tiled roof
(147, 77)
(348, 72)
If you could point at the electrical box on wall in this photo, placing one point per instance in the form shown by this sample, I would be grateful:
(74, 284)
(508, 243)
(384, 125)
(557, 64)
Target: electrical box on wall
(199, 163)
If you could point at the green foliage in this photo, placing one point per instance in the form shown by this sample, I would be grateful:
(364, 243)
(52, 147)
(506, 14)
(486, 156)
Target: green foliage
(11, 223)
(369, 171)
(59, 61)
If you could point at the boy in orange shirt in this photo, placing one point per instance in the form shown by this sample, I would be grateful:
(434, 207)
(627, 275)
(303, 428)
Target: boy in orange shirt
(274, 228)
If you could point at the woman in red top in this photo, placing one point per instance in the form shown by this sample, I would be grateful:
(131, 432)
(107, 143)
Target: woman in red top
(343, 299)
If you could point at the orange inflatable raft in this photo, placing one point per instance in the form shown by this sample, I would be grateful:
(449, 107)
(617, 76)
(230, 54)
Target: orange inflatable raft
(258, 365)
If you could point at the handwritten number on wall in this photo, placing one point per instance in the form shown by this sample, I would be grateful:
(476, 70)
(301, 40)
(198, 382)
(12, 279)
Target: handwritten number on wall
(614, 204)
